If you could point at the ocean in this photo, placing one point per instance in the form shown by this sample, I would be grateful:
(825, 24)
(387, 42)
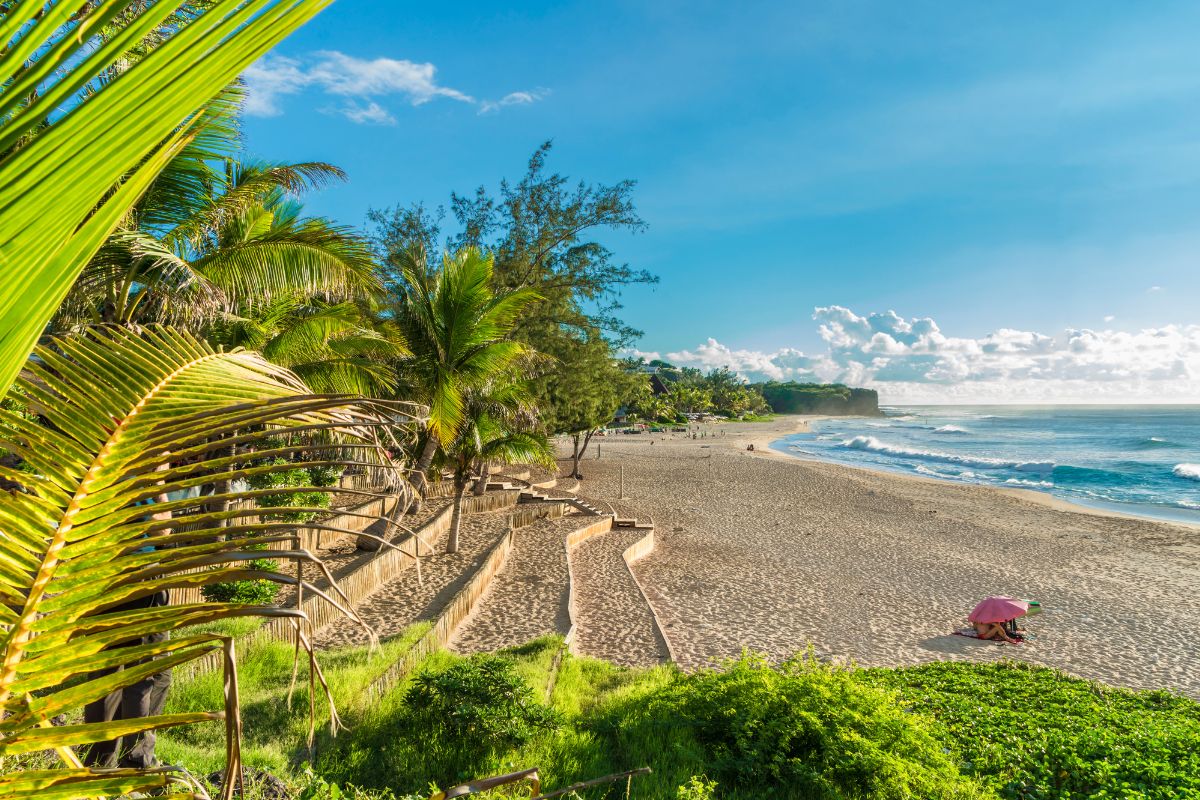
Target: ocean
(1142, 460)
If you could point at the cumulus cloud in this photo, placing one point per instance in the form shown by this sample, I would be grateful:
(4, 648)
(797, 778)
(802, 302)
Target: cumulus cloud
(913, 360)
(360, 83)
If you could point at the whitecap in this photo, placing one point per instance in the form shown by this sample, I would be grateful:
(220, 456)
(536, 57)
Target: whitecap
(1189, 471)
(950, 429)
(1034, 484)
(873, 445)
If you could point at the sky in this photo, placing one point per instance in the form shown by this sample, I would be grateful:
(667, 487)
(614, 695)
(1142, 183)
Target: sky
(947, 202)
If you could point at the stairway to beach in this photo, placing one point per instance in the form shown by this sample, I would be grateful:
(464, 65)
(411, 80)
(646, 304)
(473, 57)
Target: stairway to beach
(613, 621)
(413, 596)
(528, 598)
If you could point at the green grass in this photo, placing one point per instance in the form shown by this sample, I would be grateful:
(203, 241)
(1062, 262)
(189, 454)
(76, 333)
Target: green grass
(802, 730)
(1033, 732)
(276, 734)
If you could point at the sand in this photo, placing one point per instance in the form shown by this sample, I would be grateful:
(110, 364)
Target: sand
(613, 621)
(528, 597)
(769, 552)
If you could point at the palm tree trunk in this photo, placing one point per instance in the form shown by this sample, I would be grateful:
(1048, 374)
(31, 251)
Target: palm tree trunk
(485, 472)
(419, 469)
(460, 488)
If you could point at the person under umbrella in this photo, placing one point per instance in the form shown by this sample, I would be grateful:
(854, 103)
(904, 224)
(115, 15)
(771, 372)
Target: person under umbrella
(993, 613)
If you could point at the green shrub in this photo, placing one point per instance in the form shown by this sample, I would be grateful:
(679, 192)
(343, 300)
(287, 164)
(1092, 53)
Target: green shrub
(459, 719)
(473, 710)
(1033, 732)
(806, 729)
(325, 476)
(298, 478)
(250, 592)
(698, 787)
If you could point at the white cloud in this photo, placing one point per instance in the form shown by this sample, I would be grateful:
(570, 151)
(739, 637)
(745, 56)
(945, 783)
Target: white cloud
(512, 99)
(269, 78)
(1109, 317)
(371, 113)
(1155, 289)
(912, 360)
(361, 81)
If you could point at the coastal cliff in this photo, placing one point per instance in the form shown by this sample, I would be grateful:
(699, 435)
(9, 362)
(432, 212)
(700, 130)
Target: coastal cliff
(820, 398)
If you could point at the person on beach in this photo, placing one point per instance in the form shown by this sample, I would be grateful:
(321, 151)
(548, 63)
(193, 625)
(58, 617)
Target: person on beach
(993, 630)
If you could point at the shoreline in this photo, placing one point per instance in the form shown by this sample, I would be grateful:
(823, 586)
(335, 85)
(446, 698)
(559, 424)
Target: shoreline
(1040, 496)
(775, 553)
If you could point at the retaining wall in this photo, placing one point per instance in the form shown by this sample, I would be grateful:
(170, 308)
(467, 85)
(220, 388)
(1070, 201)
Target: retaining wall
(358, 584)
(452, 615)
(527, 514)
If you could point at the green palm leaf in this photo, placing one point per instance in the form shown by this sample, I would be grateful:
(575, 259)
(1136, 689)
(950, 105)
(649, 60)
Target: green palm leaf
(73, 128)
(125, 417)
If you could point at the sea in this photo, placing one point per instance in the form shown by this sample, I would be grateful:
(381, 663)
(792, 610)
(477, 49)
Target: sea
(1142, 460)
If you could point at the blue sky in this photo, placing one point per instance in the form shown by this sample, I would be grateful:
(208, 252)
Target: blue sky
(990, 169)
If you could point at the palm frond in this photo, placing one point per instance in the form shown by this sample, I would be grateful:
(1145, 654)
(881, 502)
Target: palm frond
(78, 150)
(125, 417)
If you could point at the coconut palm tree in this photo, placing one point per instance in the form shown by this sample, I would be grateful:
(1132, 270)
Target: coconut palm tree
(457, 328)
(112, 418)
(495, 429)
(202, 246)
(77, 150)
(338, 348)
(96, 100)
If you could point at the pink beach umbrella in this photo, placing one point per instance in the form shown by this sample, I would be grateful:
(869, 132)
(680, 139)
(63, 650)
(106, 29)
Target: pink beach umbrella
(999, 608)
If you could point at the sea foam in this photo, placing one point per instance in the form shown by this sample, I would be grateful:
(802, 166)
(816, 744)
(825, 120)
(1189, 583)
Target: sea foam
(950, 429)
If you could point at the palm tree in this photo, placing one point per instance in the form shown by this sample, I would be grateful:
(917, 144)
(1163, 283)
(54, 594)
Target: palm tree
(70, 170)
(458, 329)
(336, 348)
(495, 428)
(204, 245)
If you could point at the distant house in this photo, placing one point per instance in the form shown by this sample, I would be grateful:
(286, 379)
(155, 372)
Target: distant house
(657, 384)
(621, 417)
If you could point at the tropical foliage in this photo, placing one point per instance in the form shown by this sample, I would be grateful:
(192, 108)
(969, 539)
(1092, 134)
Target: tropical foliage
(85, 130)
(686, 390)
(196, 252)
(123, 418)
(543, 233)
(498, 426)
(457, 328)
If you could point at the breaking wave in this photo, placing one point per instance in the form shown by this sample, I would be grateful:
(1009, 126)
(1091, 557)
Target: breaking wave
(871, 444)
(1189, 471)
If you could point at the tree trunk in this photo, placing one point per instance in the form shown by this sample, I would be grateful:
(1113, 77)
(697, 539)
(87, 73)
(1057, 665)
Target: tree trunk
(419, 470)
(460, 488)
(579, 451)
(575, 456)
(485, 472)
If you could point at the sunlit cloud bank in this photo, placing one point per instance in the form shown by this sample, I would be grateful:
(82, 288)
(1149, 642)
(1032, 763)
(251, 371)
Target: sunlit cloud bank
(913, 361)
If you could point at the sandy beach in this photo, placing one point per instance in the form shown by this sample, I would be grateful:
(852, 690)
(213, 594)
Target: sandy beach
(768, 552)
